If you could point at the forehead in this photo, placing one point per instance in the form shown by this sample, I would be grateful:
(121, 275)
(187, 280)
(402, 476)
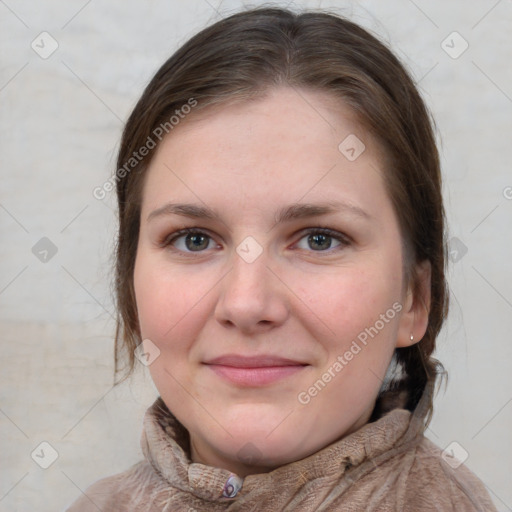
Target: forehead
(290, 144)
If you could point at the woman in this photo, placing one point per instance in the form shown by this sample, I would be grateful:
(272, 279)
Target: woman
(280, 270)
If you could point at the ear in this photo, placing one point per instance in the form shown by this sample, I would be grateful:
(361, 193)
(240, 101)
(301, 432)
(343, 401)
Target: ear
(416, 305)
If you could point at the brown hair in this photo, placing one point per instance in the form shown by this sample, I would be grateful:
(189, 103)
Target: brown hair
(242, 56)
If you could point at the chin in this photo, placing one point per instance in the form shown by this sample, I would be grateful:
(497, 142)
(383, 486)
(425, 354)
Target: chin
(262, 445)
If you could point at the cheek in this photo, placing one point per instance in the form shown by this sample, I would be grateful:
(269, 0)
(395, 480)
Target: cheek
(351, 300)
(362, 311)
(169, 303)
(154, 302)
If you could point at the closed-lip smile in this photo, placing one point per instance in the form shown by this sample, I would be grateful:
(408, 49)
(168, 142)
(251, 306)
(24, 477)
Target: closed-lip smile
(253, 371)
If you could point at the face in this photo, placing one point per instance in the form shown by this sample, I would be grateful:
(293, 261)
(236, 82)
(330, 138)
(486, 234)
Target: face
(277, 314)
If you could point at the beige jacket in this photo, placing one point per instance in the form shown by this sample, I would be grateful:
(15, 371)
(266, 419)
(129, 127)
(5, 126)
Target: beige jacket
(386, 466)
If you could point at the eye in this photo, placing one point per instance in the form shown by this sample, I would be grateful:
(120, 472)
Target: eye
(189, 240)
(321, 240)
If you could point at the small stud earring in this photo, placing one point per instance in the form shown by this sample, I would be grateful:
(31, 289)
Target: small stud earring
(412, 337)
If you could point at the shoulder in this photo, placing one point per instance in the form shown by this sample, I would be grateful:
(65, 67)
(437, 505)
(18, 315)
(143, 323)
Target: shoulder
(138, 485)
(437, 483)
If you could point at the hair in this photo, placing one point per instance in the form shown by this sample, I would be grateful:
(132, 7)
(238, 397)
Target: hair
(243, 56)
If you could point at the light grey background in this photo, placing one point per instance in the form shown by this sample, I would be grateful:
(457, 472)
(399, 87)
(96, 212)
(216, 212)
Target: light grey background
(60, 123)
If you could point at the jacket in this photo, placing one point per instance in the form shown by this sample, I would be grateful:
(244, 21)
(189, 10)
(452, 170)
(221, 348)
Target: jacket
(385, 466)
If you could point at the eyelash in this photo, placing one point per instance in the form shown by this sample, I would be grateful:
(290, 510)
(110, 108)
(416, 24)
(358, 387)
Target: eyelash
(344, 240)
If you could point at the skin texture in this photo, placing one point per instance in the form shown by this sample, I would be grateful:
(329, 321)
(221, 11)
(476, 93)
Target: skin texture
(300, 298)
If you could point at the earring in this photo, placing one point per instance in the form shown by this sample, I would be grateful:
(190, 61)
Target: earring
(412, 337)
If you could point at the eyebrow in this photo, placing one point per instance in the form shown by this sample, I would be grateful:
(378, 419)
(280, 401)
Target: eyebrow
(286, 214)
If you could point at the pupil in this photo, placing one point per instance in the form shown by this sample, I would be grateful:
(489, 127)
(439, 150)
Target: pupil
(197, 242)
(322, 240)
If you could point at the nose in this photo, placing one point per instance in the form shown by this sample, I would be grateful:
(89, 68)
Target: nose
(251, 298)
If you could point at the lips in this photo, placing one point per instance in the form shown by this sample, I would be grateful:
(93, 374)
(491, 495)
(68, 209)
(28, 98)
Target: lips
(253, 361)
(253, 371)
